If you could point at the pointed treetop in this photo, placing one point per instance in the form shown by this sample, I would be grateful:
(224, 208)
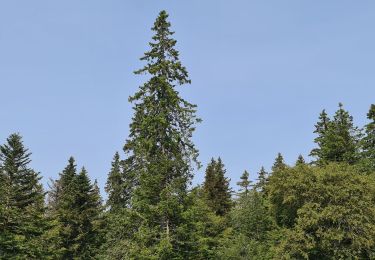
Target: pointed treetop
(261, 180)
(279, 163)
(371, 113)
(244, 183)
(300, 160)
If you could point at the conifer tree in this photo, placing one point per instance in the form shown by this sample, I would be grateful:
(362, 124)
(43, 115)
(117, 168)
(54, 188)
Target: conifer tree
(368, 142)
(261, 180)
(22, 210)
(116, 187)
(216, 187)
(279, 163)
(77, 209)
(300, 160)
(338, 139)
(160, 153)
(244, 183)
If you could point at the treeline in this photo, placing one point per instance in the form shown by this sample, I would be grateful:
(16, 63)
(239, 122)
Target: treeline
(323, 209)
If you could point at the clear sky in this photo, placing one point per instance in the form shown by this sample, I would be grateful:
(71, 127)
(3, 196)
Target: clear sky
(261, 72)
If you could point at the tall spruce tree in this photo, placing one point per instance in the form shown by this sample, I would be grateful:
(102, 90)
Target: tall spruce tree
(279, 163)
(22, 210)
(300, 160)
(337, 140)
(160, 152)
(368, 142)
(216, 188)
(76, 206)
(261, 180)
(118, 193)
(244, 183)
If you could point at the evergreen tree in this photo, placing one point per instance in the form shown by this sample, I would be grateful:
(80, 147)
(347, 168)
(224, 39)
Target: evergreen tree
(77, 209)
(368, 142)
(338, 139)
(118, 187)
(300, 160)
(216, 187)
(22, 210)
(321, 129)
(244, 183)
(160, 153)
(279, 163)
(261, 180)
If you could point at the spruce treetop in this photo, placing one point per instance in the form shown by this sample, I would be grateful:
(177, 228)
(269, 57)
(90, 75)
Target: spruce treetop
(300, 160)
(244, 183)
(279, 163)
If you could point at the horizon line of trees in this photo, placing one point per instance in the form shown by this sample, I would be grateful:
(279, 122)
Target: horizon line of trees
(319, 210)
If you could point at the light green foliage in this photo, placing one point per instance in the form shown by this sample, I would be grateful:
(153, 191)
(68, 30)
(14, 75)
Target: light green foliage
(201, 228)
(327, 212)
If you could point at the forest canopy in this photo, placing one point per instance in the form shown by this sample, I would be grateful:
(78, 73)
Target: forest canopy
(318, 209)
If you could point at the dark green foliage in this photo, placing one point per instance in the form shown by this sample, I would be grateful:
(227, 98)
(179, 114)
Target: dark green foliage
(300, 160)
(261, 180)
(338, 139)
(22, 220)
(160, 153)
(76, 207)
(119, 185)
(319, 210)
(368, 142)
(216, 188)
(279, 163)
(244, 183)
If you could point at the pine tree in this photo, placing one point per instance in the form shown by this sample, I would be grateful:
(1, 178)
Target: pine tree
(338, 139)
(77, 209)
(216, 187)
(300, 160)
(279, 163)
(22, 210)
(160, 153)
(368, 142)
(244, 183)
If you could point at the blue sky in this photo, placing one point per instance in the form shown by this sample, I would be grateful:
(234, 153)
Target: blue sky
(261, 72)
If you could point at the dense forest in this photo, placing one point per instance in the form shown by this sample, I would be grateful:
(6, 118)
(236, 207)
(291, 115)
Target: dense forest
(320, 209)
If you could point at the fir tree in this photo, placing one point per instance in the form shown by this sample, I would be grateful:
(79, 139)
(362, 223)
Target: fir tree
(279, 163)
(338, 139)
(368, 142)
(77, 209)
(300, 160)
(22, 210)
(261, 180)
(160, 152)
(118, 191)
(244, 183)
(216, 187)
